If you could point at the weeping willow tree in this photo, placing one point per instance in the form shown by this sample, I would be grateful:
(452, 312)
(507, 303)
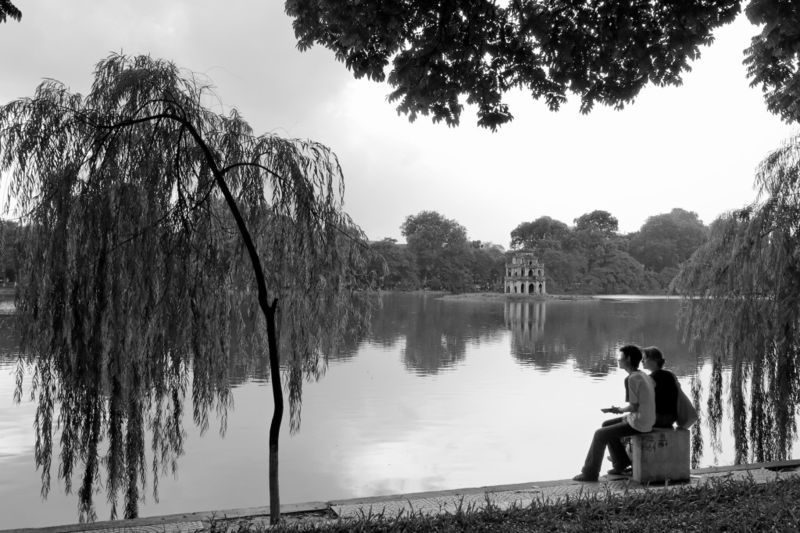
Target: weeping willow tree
(157, 232)
(746, 309)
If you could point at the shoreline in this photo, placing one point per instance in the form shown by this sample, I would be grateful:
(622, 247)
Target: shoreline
(503, 297)
(384, 510)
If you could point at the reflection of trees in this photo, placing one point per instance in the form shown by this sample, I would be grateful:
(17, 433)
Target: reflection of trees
(548, 333)
(338, 343)
(9, 339)
(436, 332)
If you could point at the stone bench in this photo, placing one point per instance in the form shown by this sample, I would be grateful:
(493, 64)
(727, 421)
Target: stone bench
(661, 455)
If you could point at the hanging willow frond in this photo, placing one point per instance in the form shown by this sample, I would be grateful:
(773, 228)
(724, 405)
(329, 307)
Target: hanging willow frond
(137, 282)
(745, 289)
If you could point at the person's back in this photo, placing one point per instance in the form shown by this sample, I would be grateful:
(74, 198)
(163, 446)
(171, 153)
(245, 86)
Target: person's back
(666, 388)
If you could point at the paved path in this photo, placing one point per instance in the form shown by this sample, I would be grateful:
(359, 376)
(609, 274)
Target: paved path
(502, 496)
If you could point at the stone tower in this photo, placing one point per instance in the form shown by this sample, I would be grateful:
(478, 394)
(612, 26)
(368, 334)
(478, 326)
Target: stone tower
(525, 275)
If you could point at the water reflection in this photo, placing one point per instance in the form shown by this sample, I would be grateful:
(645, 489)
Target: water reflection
(547, 334)
(404, 408)
(435, 333)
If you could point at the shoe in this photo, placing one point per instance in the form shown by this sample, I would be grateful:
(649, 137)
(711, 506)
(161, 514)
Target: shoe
(627, 471)
(583, 477)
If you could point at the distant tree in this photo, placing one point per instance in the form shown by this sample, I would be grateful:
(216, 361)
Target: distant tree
(744, 284)
(9, 10)
(542, 233)
(668, 239)
(393, 265)
(487, 267)
(440, 248)
(616, 272)
(598, 220)
(154, 231)
(604, 52)
(563, 270)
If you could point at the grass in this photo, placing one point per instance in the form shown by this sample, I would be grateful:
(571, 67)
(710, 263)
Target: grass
(719, 505)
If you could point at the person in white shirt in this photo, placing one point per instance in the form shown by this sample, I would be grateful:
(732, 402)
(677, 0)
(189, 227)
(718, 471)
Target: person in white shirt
(640, 415)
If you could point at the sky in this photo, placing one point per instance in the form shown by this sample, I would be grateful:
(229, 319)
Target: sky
(695, 147)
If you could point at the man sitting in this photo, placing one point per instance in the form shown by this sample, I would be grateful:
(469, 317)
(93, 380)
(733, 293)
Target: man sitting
(639, 418)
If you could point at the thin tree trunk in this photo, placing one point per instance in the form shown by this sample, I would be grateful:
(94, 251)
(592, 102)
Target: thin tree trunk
(277, 416)
(269, 310)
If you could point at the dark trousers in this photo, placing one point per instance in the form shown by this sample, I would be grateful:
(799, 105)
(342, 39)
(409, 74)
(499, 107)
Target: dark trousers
(609, 435)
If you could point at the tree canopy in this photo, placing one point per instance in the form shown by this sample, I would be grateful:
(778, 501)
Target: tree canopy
(668, 239)
(531, 234)
(155, 233)
(598, 220)
(439, 53)
(9, 10)
(439, 245)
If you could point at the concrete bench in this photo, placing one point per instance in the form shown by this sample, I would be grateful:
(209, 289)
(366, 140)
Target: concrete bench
(661, 455)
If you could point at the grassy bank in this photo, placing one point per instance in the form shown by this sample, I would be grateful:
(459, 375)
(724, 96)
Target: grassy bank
(720, 505)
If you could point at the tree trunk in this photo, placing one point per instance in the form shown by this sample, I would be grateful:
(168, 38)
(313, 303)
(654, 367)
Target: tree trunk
(277, 415)
(269, 310)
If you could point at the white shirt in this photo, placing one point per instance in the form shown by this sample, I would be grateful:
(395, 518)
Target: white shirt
(641, 390)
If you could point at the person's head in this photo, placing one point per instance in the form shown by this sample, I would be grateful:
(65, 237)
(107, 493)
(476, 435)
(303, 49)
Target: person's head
(653, 358)
(630, 356)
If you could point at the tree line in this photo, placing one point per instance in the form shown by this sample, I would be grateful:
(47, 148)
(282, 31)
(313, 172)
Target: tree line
(589, 257)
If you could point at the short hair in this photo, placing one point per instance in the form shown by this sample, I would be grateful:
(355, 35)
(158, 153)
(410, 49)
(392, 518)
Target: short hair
(654, 354)
(633, 353)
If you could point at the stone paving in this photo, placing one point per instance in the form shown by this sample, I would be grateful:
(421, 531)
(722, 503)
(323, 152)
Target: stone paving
(449, 501)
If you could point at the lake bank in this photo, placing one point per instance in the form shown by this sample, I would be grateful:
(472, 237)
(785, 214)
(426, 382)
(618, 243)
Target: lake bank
(502, 297)
(755, 496)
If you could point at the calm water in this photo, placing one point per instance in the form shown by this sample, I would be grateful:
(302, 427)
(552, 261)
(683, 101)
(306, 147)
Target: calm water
(441, 395)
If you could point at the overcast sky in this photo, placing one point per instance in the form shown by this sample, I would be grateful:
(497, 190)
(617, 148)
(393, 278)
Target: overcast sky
(694, 146)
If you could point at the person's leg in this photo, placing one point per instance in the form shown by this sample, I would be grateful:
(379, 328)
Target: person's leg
(617, 453)
(606, 436)
(612, 421)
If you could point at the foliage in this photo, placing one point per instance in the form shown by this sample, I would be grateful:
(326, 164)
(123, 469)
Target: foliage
(599, 221)
(487, 266)
(540, 234)
(9, 10)
(604, 52)
(146, 218)
(393, 266)
(717, 505)
(589, 258)
(745, 305)
(440, 249)
(668, 239)
(773, 58)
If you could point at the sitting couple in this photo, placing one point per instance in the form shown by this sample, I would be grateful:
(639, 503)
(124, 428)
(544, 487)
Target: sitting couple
(652, 402)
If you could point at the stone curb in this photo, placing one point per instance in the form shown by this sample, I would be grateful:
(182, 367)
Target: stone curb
(432, 500)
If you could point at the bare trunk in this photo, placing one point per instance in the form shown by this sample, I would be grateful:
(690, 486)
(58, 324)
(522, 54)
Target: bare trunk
(277, 416)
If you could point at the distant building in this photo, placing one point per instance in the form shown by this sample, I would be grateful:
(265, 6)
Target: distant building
(525, 275)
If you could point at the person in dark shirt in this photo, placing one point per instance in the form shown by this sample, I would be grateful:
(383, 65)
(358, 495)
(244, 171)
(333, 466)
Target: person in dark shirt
(666, 388)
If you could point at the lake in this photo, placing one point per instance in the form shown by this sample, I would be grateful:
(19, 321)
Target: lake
(440, 395)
